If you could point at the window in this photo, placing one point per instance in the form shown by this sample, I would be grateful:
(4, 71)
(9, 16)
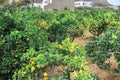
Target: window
(90, 3)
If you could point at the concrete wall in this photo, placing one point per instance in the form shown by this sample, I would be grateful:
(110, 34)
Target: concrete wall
(60, 4)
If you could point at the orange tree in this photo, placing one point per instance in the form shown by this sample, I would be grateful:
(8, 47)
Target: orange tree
(62, 25)
(35, 63)
(59, 25)
(96, 20)
(103, 47)
(17, 34)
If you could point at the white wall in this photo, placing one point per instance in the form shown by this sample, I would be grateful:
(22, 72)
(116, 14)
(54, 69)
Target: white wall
(83, 4)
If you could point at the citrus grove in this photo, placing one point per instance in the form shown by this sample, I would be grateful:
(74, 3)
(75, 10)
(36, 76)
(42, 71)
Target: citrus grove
(32, 40)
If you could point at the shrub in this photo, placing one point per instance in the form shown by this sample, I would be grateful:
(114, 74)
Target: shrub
(105, 46)
(18, 34)
(35, 63)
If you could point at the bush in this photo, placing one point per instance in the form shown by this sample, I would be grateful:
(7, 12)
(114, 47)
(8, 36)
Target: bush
(105, 46)
(64, 24)
(17, 35)
(68, 54)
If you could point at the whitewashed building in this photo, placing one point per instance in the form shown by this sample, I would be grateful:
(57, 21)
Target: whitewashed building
(41, 3)
(54, 4)
(83, 4)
